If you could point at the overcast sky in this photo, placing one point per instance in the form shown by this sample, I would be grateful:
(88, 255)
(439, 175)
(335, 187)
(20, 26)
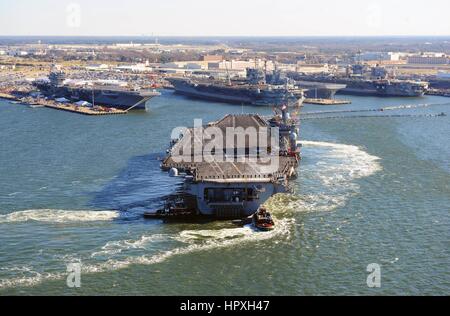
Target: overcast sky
(228, 17)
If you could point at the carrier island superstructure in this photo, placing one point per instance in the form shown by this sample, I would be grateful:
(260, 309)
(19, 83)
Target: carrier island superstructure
(237, 186)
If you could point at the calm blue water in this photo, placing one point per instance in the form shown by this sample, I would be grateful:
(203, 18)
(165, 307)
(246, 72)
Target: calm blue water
(371, 190)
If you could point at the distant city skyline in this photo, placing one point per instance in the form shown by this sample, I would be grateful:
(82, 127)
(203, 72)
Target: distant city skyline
(219, 18)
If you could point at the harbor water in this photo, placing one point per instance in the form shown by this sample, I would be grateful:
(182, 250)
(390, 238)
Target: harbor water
(371, 190)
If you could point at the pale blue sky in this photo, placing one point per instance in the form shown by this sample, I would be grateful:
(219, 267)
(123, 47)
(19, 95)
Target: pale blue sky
(228, 17)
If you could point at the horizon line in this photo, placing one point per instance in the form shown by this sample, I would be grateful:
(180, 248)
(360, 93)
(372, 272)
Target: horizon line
(202, 36)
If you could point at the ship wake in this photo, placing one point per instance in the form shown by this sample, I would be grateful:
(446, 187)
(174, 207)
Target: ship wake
(328, 179)
(151, 249)
(328, 175)
(58, 216)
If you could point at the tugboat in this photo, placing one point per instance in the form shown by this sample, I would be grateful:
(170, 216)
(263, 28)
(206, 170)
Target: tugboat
(172, 210)
(262, 220)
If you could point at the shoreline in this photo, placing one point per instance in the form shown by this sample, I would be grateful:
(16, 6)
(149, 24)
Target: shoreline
(8, 97)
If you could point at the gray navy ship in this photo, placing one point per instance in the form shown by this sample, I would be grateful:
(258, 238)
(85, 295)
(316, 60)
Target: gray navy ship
(254, 90)
(312, 90)
(108, 96)
(237, 186)
(377, 84)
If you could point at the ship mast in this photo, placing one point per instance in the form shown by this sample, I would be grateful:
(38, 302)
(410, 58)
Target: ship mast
(289, 125)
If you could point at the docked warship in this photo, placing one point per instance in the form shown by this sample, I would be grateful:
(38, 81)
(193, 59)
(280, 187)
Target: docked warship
(236, 187)
(254, 90)
(312, 89)
(108, 96)
(376, 84)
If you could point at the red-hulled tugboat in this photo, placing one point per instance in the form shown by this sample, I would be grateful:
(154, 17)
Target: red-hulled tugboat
(262, 220)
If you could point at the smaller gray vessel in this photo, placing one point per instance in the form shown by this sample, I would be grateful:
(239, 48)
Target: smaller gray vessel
(313, 90)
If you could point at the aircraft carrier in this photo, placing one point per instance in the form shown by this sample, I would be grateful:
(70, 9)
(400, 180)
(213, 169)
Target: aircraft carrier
(237, 186)
(108, 96)
(378, 85)
(254, 90)
(378, 88)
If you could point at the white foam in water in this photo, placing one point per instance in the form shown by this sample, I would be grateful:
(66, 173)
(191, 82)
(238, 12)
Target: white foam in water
(58, 216)
(354, 162)
(28, 277)
(116, 247)
(194, 240)
(337, 166)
